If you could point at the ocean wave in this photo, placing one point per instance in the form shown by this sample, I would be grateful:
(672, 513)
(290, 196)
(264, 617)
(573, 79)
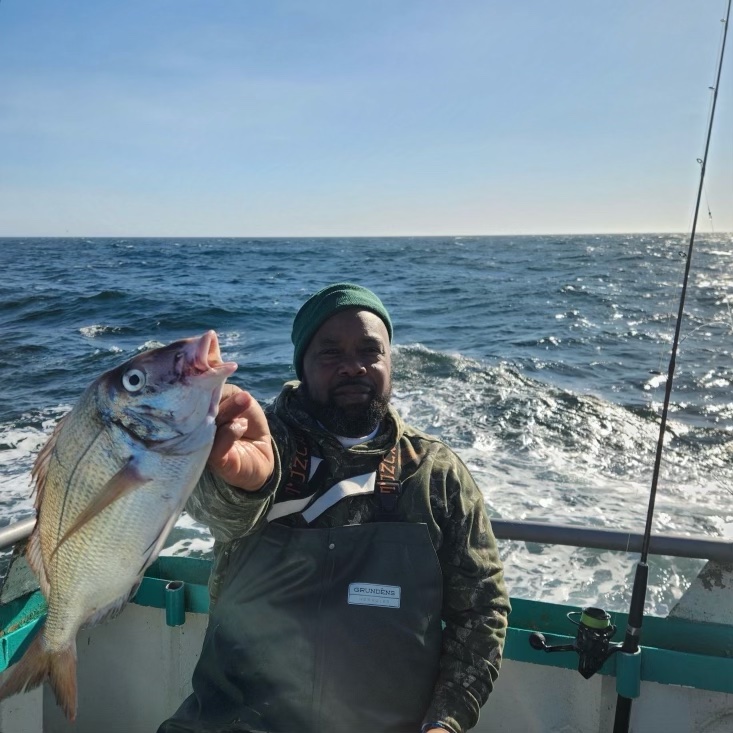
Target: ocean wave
(515, 430)
(103, 296)
(98, 329)
(148, 345)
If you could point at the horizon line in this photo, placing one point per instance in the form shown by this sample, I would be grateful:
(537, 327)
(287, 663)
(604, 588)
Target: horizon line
(351, 236)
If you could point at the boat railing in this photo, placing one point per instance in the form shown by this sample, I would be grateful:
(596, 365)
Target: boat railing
(16, 532)
(703, 548)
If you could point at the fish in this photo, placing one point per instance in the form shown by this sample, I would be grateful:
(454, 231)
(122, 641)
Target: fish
(110, 484)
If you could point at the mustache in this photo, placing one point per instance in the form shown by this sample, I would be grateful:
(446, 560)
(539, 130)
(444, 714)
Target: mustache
(353, 382)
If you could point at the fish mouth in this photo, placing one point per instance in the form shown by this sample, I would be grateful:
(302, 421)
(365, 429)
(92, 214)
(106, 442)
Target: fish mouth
(203, 358)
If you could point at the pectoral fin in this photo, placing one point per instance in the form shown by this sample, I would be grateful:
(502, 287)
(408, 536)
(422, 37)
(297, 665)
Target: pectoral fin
(125, 481)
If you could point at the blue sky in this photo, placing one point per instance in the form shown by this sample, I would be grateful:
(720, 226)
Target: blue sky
(308, 118)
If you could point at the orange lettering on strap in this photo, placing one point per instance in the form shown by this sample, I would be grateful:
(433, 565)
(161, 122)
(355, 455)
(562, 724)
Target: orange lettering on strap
(298, 470)
(388, 466)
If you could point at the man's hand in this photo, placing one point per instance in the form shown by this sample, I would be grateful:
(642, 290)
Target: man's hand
(242, 450)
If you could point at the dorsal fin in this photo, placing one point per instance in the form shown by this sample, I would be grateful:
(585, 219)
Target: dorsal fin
(43, 459)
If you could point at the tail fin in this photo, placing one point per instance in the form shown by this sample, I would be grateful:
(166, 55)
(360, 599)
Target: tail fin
(36, 666)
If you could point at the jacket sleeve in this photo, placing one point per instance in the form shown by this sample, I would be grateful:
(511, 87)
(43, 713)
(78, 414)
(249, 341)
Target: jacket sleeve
(475, 600)
(227, 511)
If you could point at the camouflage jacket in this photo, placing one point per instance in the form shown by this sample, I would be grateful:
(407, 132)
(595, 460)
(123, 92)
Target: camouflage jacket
(437, 489)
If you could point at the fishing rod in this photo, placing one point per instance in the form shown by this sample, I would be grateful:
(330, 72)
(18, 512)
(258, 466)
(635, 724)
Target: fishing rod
(595, 630)
(631, 641)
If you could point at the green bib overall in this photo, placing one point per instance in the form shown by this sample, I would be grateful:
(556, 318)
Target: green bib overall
(321, 630)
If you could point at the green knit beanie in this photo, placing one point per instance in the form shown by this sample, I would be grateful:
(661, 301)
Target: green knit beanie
(326, 303)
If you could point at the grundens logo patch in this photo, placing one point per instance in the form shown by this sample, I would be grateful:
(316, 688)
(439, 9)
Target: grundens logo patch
(370, 594)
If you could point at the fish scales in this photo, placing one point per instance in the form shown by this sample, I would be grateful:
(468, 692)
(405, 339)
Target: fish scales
(120, 538)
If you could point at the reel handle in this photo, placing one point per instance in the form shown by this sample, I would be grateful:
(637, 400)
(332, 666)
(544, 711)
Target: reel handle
(537, 641)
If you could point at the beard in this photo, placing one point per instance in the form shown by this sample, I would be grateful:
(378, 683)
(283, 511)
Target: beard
(348, 421)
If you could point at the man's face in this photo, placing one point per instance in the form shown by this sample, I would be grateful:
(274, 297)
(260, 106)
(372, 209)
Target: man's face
(347, 368)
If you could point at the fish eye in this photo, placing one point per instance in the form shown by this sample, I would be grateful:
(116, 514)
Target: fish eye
(134, 380)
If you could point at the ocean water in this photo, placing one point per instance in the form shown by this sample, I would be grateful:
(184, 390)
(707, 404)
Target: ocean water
(540, 360)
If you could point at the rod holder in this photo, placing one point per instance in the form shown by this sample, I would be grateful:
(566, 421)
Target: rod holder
(628, 674)
(175, 603)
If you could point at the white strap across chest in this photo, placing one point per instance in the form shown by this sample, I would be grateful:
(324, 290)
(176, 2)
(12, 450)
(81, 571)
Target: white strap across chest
(362, 484)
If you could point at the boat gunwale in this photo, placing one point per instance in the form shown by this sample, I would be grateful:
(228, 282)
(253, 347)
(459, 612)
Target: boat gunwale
(676, 651)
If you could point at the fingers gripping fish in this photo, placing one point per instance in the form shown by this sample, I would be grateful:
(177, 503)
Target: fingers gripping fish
(111, 482)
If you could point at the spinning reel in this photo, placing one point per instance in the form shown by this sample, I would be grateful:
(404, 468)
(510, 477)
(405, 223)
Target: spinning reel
(592, 641)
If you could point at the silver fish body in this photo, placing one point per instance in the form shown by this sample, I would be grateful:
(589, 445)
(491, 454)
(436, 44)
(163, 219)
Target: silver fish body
(111, 482)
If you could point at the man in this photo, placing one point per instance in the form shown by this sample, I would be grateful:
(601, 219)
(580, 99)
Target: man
(356, 583)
